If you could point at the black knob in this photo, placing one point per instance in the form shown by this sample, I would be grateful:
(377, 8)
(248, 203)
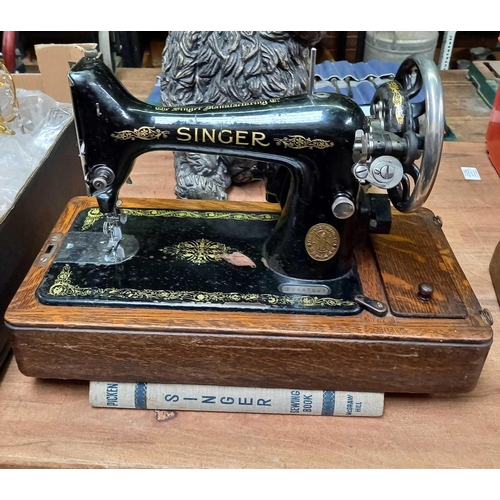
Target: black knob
(425, 291)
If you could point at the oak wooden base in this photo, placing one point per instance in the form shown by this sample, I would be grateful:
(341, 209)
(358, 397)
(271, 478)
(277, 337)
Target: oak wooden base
(440, 346)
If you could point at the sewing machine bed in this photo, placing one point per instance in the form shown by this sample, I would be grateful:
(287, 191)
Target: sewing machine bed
(188, 259)
(141, 321)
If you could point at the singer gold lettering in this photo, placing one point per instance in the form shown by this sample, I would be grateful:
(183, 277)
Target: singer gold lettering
(224, 136)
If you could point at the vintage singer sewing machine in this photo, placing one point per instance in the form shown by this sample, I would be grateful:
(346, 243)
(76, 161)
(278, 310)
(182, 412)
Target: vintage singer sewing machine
(325, 288)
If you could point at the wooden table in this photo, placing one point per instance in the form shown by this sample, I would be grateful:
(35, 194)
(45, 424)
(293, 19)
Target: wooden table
(50, 423)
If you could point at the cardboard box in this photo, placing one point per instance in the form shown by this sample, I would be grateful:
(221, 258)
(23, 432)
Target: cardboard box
(54, 61)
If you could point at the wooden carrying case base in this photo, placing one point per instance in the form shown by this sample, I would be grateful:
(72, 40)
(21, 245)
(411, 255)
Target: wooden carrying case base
(413, 354)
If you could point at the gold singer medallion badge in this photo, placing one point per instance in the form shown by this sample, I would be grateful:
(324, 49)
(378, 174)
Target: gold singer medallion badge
(322, 242)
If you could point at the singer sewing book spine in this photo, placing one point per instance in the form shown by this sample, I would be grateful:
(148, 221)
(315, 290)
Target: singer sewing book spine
(235, 399)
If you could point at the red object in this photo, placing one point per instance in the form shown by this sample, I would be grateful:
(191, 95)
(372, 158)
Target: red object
(9, 50)
(493, 134)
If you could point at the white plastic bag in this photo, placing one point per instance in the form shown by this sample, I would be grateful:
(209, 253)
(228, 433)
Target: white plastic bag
(43, 120)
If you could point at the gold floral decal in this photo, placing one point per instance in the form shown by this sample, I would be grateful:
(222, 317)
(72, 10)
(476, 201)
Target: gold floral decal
(397, 100)
(198, 251)
(63, 287)
(301, 142)
(143, 133)
(95, 214)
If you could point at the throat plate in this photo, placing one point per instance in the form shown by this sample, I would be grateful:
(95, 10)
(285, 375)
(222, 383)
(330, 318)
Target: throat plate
(90, 248)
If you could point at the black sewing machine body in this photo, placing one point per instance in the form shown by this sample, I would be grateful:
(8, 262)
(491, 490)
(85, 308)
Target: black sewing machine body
(312, 135)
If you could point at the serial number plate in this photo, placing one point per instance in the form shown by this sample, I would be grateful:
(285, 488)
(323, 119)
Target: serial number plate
(305, 289)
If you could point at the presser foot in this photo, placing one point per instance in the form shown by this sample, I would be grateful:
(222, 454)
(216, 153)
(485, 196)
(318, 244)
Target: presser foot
(118, 248)
(114, 252)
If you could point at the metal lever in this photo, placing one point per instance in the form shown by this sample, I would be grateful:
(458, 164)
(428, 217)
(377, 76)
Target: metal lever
(375, 307)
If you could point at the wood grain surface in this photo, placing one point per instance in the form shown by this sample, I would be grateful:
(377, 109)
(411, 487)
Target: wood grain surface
(50, 423)
(412, 254)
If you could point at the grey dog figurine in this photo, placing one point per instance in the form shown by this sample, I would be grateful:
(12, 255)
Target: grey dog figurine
(222, 67)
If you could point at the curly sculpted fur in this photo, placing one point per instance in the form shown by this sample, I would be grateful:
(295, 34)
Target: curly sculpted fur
(221, 67)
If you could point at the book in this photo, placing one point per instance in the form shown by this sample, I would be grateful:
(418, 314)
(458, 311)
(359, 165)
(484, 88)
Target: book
(235, 399)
